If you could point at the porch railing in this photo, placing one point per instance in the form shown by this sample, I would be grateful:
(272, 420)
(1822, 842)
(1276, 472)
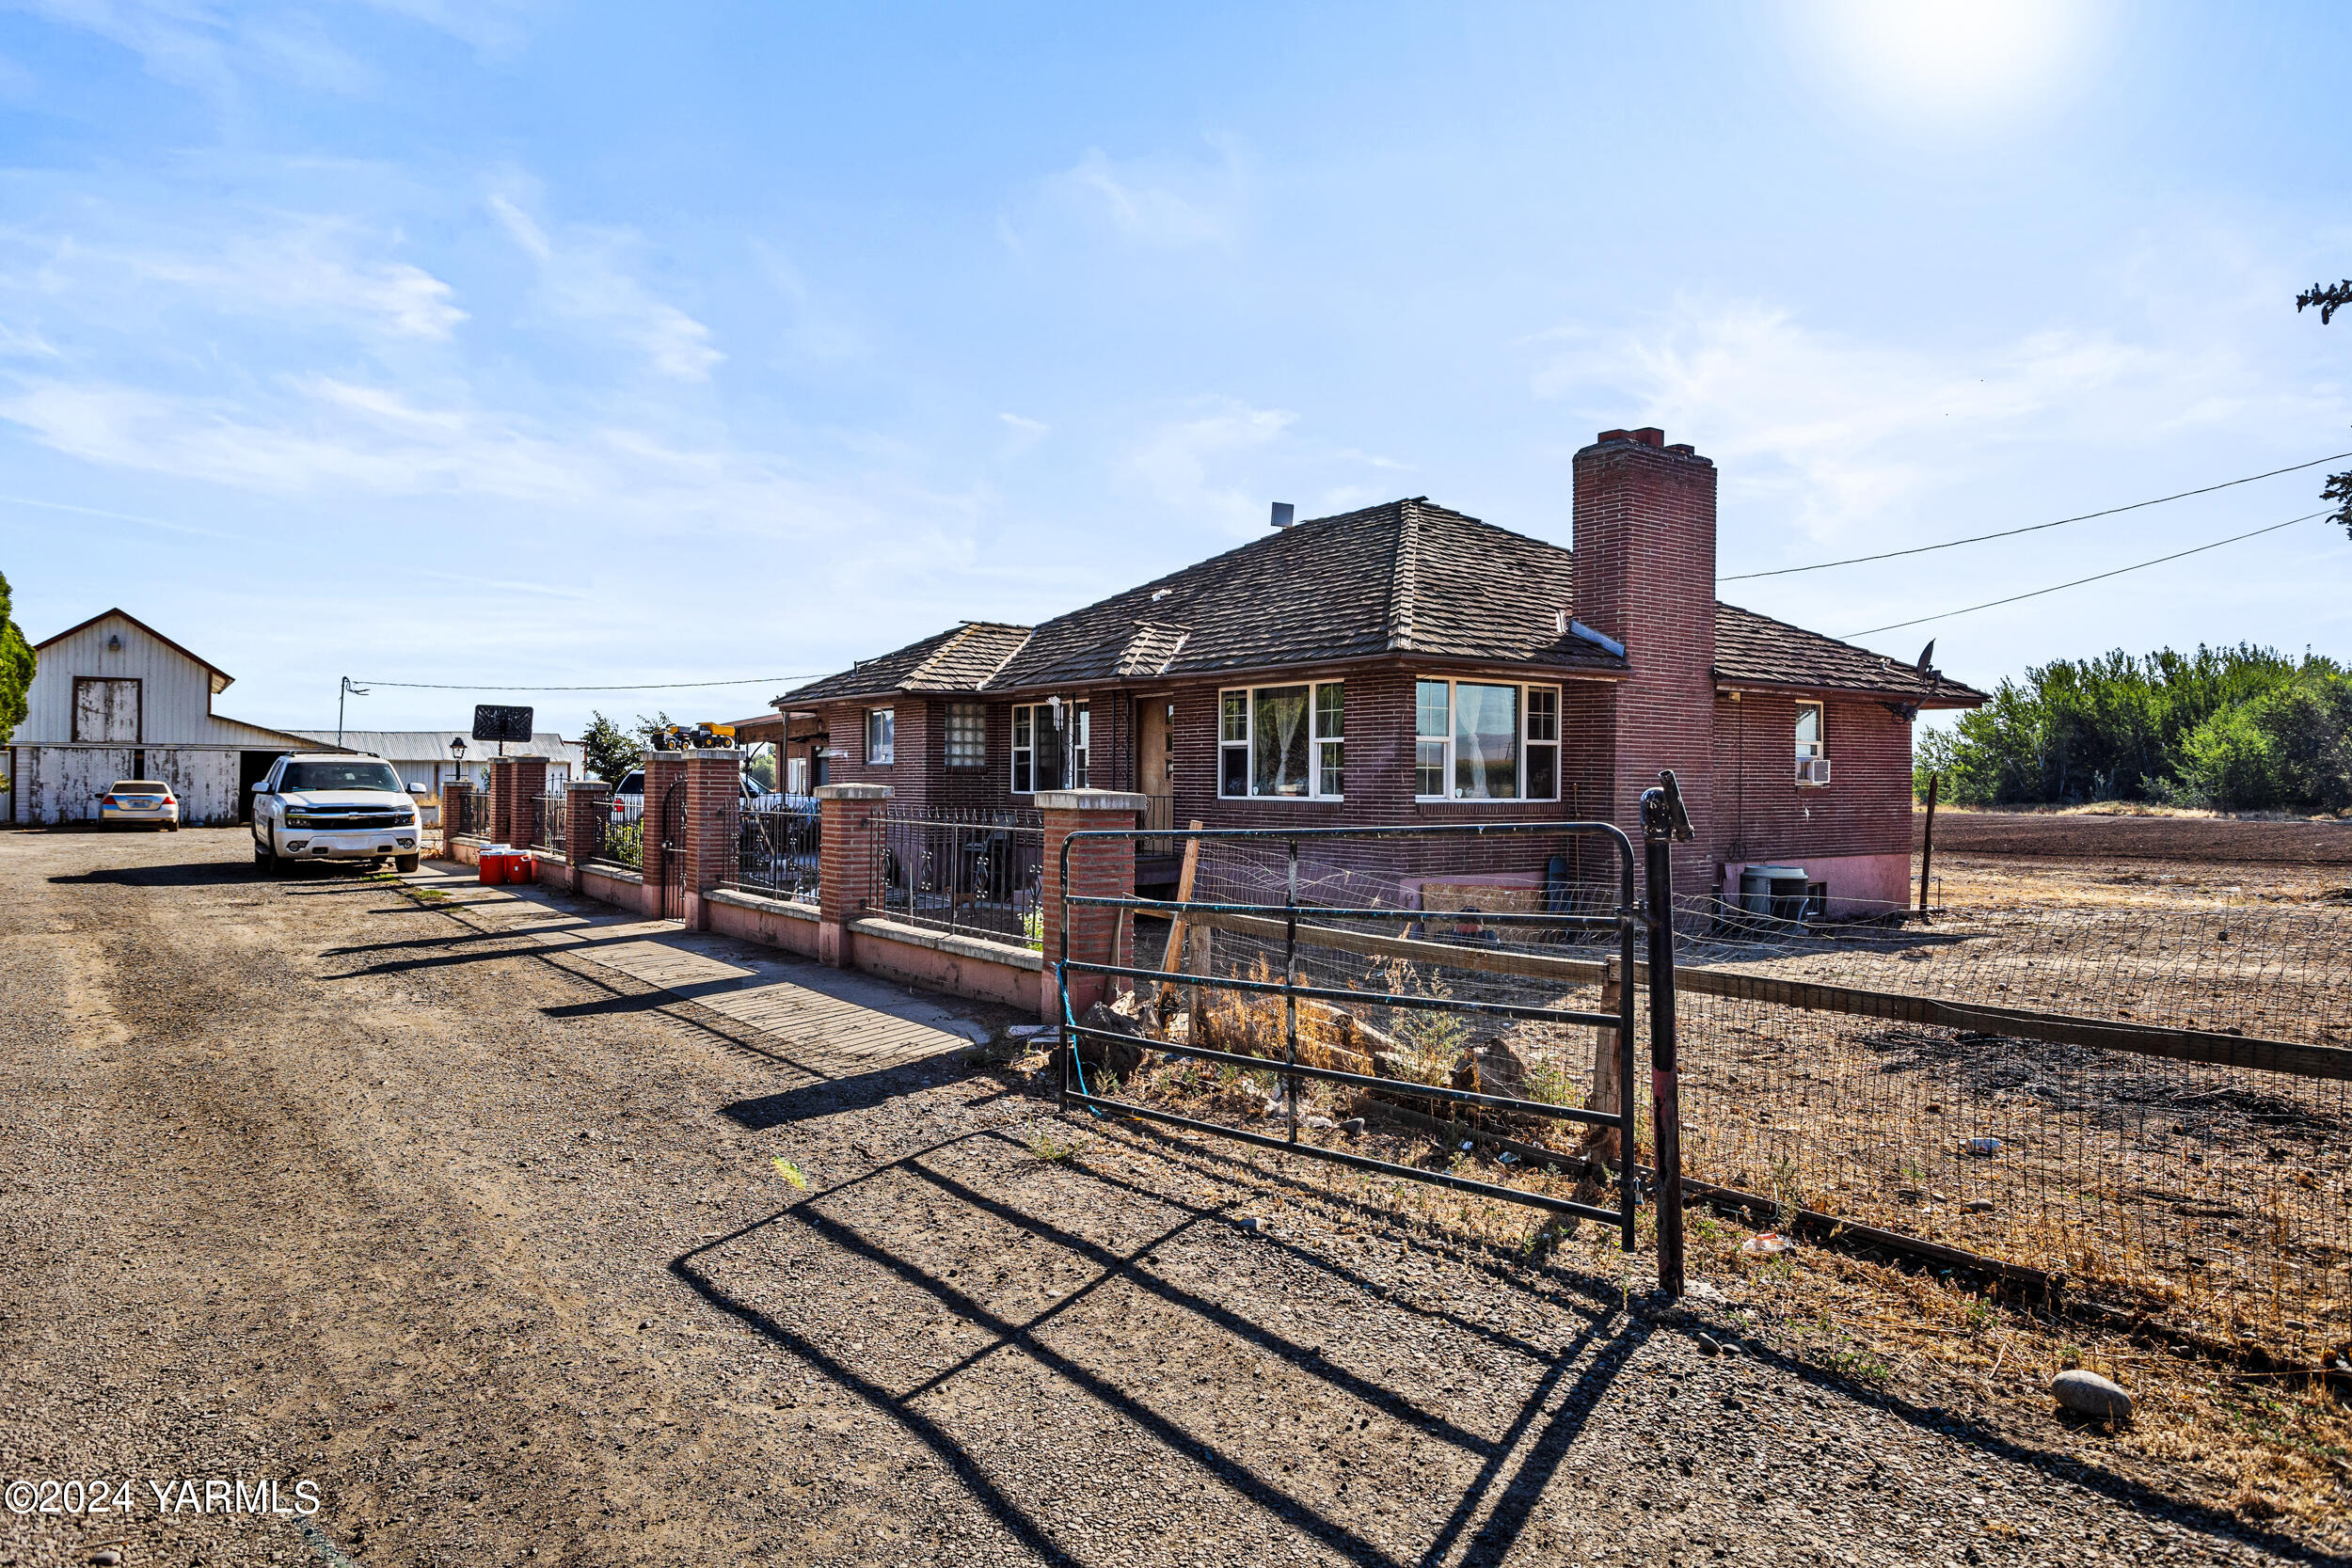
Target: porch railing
(1159, 816)
(473, 818)
(979, 873)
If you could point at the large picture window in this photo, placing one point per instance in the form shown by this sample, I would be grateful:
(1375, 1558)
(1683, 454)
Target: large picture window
(1486, 740)
(881, 735)
(1051, 746)
(1283, 742)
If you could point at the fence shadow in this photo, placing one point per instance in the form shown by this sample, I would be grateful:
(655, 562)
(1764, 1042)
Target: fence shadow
(1127, 1400)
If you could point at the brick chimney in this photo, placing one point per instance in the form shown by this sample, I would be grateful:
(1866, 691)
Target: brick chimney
(1644, 542)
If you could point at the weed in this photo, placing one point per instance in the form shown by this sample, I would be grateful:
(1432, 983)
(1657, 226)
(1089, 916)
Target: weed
(1040, 1142)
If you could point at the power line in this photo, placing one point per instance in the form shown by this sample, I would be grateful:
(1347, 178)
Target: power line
(654, 686)
(2098, 577)
(2030, 528)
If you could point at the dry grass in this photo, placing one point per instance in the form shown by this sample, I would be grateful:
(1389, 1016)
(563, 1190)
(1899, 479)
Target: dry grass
(2265, 1448)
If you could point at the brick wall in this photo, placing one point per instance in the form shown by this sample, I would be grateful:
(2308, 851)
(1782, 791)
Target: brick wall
(1644, 542)
(1760, 813)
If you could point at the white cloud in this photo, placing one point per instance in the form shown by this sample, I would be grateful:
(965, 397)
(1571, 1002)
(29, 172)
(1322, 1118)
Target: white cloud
(289, 269)
(586, 280)
(1161, 203)
(1173, 461)
(1844, 433)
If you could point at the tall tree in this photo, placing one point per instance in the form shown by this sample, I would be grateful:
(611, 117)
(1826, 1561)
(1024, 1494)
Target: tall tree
(2329, 298)
(609, 750)
(16, 667)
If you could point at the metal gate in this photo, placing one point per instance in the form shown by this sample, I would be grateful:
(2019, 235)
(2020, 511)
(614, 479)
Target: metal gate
(673, 825)
(1354, 926)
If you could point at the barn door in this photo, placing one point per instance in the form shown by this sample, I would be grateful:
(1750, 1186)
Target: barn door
(105, 711)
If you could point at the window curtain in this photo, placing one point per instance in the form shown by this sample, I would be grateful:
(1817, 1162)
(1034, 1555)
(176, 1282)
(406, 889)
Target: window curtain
(1280, 763)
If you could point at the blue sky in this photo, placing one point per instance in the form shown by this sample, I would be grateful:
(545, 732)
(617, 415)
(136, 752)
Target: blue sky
(477, 342)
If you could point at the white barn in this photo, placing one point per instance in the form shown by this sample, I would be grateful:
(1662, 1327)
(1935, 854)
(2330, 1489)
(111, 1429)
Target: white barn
(113, 698)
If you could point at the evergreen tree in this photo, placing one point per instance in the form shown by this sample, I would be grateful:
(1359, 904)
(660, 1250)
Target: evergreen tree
(17, 661)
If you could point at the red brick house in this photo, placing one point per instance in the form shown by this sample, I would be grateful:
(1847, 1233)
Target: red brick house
(1406, 663)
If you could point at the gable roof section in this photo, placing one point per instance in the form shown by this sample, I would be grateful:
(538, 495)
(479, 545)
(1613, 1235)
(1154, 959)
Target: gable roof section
(222, 679)
(960, 658)
(1757, 648)
(1408, 576)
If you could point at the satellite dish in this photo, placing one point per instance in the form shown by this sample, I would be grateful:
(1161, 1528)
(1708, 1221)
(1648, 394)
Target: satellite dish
(1925, 654)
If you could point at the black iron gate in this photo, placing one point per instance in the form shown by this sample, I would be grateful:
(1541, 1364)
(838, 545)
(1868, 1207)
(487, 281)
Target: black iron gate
(673, 827)
(1622, 926)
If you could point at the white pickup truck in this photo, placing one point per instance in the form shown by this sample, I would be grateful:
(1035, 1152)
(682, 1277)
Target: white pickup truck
(333, 805)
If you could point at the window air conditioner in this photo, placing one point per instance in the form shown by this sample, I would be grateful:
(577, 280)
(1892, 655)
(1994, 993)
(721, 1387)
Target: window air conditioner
(1812, 770)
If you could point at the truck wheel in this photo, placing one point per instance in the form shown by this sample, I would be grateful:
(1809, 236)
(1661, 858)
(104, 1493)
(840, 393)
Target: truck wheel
(406, 863)
(264, 857)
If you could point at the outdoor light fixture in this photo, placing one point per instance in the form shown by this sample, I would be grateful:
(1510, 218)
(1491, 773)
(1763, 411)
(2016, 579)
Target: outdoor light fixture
(1055, 703)
(458, 747)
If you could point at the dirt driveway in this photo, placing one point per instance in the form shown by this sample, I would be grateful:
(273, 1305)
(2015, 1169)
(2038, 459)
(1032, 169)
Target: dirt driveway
(311, 1182)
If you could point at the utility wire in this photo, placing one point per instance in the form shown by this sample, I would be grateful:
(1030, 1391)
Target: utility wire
(655, 685)
(2102, 577)
(2030, 528)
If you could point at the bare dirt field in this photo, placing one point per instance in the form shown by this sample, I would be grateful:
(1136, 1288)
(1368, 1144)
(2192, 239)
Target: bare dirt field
(322, 1180)
(2089, 837)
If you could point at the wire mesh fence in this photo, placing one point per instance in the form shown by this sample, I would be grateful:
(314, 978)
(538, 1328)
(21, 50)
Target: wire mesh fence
(2212, 1196)
(2278, 974)
(975, 872)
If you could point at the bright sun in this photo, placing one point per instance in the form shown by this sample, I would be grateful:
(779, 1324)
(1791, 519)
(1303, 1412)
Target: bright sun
(1953, 61)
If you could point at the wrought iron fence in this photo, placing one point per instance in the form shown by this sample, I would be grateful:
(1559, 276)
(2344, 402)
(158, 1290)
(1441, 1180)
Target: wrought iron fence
(776, 849)
(978, 872)
(621, 833)
(473, 814)
(546, 821)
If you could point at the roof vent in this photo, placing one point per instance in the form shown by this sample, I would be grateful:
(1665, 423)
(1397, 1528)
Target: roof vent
(1159, 593)
(1581, 629)
(1284, 515)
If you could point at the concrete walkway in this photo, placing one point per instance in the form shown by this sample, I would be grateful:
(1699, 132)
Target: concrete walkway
(833, 1023)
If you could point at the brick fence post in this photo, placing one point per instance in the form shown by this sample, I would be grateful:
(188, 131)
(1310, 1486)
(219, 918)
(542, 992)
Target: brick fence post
(662, 769)
(714, 788)
(1099, 867)
(456, 798)
(503, 802)
(587, 807)
(530, 787)
(845, 863)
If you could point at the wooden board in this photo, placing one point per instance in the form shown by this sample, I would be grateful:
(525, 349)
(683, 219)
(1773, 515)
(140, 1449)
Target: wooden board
(2184, 1045)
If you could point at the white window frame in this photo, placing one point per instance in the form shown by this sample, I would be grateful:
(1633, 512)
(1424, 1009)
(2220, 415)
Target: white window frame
(1528, 741)
(1248, 742)
(881, 751)
(979, 756)
(1077, 752)
(1818, 745)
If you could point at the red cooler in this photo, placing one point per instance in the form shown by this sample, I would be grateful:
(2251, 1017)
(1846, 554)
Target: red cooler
(521, 868)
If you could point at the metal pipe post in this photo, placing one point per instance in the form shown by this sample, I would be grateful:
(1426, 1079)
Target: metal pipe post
(1290, 981)
(1663, 820)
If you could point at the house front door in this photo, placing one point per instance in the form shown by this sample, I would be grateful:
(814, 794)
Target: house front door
(1151, 769)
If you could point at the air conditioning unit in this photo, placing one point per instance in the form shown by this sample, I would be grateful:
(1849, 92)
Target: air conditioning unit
(1812, 771)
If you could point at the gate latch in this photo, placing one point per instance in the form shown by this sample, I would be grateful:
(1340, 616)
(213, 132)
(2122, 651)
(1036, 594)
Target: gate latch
(1662, 816)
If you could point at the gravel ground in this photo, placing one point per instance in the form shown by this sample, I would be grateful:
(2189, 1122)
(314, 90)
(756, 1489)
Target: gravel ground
(312, 1182)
